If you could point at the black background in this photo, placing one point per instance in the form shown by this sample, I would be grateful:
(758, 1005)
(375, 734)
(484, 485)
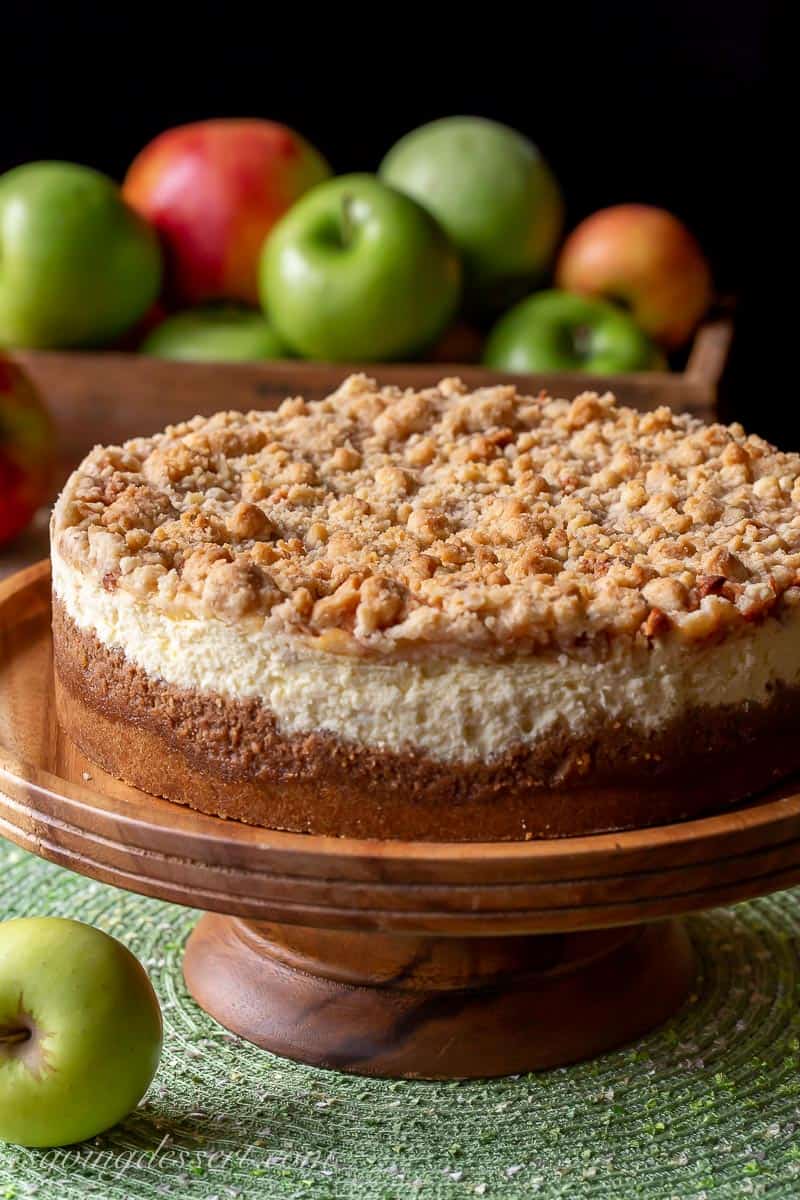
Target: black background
(661, 102)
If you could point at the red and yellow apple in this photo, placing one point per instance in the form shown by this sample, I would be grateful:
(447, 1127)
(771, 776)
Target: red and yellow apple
(647, 260)
(214, 190)
(26, 450)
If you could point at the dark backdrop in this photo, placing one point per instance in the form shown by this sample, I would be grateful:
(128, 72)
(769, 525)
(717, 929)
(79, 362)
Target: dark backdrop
(660, 102)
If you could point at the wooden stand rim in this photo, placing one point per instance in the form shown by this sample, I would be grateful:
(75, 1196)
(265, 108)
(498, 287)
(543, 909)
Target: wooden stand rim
(61, 806)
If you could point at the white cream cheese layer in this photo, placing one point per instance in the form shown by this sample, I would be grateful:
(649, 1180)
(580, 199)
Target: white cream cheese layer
(449, 709)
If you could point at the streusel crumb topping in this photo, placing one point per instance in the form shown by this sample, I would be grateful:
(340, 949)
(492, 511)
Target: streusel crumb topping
(388, 521)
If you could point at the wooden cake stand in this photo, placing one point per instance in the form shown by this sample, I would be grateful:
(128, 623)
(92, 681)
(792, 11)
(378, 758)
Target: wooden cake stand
(387, 958)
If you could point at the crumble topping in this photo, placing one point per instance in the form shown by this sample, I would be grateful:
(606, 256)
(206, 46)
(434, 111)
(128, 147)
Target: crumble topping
(386, 521)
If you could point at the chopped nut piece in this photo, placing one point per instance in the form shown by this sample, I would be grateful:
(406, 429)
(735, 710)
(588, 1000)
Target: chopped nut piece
(657, 622)
(668, 594)
(345, 458)
(248, 521)
(710, 585)
(317, 534)
(381, 604)
(721, 561)
(343, 602)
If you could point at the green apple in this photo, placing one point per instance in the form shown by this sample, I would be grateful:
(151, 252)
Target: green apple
(357, 271)
(77, 265)
(80, 1031)
(557, 331)
(492, 192)
(225, 333)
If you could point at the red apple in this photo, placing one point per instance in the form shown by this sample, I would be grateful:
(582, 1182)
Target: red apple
(26, 450)
(214, 190)
(645, 258)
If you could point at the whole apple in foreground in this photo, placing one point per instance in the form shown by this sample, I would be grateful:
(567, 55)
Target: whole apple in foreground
(557, 331)
(77, 266)
(213, 190)
(493, 194)
(80, 1031)
(224, 333)
(646, 259)
(26, 450)
(358, 271)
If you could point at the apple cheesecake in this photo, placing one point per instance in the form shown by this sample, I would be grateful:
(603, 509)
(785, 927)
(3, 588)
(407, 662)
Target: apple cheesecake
(443, 614)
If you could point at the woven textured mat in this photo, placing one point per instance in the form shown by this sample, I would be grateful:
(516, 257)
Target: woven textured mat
(707, 1107)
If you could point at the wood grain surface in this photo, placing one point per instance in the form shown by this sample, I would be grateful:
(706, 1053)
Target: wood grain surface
(437, 1008)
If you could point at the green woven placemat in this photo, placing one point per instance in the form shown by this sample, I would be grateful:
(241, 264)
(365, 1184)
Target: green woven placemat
(707, 1107)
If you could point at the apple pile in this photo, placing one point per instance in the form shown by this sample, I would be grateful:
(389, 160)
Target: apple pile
(231, 240)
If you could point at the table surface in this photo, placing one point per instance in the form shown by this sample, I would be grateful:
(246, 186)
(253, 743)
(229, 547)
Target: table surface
(707, 1105)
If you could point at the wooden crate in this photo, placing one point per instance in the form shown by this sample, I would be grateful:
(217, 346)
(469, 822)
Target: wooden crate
(109, 397)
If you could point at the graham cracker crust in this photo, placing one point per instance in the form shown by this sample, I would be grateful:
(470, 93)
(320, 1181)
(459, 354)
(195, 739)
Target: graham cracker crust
(229, 759)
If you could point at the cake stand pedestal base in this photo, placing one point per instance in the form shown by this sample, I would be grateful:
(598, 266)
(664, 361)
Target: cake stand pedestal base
(410, 1006)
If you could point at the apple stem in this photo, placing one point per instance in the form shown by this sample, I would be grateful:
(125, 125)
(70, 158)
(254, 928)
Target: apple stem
(12, 1037)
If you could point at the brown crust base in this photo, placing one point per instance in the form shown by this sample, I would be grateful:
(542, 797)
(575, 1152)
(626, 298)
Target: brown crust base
(228, 758)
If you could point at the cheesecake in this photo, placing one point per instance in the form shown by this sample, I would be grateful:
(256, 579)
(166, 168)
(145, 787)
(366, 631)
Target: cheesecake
(445, 614)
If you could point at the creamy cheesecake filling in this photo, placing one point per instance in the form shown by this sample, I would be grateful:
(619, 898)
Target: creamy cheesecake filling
(449, 709)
